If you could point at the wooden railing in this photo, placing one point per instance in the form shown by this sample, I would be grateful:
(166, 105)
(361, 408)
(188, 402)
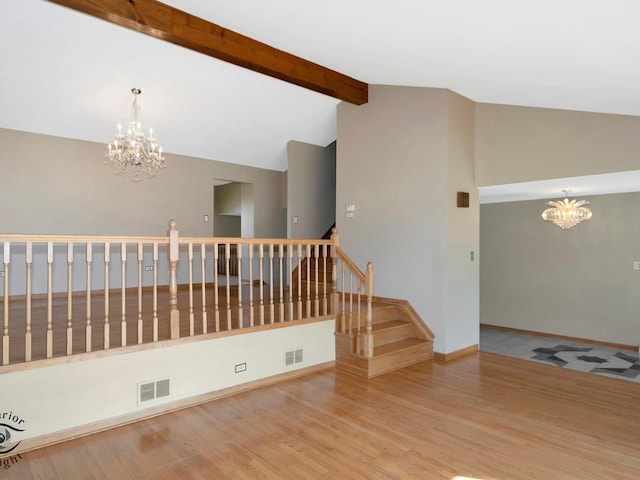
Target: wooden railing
(69, 294)
(349, 299)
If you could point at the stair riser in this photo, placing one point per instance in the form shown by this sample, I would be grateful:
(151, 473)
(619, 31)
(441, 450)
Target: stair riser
(384, 314)
(403, 358)
(393, 334)
(376, 366)
(313, 287)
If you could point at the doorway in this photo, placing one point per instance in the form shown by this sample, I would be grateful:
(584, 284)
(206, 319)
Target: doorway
(232, 209)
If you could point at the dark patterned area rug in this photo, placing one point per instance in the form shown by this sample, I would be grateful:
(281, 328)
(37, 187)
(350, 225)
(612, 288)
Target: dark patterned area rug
(611, 362)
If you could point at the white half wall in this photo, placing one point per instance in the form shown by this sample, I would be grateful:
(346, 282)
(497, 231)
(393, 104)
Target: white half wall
(65, 396)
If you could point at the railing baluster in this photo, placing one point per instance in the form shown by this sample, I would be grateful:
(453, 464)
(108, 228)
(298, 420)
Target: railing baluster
(299, 299)
(324, 279)
(308, 303)
(155, 291)
(290, 255)
(239, 271)
(69, 298)
(191, 317)
(346, 326)
(87, 341)
(358, 303)
(27, 335)
(316, 301)
(271, 305)
(107, 259)
(216, 250)
(5, 301)
(281, 275)
(140, 258)
(123, 300)
(203, 256)
(351, 304)
(227, 263)
(250, 246)
(49, 299)
(261, 255)
(173, 255)
(368, 286)
(334, 277)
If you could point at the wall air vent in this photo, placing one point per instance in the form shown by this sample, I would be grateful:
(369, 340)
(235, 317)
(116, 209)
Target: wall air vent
(292, 357)
(153, 390)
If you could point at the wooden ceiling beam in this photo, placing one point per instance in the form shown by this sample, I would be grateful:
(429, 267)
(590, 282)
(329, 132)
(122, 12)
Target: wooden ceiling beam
(181, 28)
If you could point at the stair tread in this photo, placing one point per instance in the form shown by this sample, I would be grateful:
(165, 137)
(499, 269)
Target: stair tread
(393, 347)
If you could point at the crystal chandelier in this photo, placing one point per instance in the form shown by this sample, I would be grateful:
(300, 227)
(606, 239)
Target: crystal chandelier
(566, 214)
(132, 154)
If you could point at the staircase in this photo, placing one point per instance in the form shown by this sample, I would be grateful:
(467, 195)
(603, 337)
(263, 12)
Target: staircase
(400, 339)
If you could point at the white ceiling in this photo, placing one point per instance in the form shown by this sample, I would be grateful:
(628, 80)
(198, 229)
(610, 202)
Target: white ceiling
(67, 74)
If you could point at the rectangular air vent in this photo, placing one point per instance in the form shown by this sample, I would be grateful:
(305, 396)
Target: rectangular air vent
(153, 390)
(292, 357)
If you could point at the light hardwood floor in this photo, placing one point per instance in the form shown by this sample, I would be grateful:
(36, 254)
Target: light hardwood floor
(484, 417)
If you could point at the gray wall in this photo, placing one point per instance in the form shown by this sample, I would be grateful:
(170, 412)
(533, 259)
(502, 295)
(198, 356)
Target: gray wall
(58, 185)
(522, 144)
(401, 159)
(311, 187)
(578, 282)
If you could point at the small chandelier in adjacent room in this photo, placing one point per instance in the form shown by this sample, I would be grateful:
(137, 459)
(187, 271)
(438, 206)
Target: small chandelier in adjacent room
(132, 154)
(565, 213)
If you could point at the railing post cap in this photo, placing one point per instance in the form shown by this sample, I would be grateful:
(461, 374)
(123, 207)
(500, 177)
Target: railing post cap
(370, 266)
(172, 224)
(334, 236)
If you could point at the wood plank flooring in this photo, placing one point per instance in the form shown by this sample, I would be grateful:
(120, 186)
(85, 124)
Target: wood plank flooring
(483, 417)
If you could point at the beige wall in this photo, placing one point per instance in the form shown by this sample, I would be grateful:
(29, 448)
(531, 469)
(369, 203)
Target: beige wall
(522, 144)
(58, 185)
(463, 232)
(578, 282)
(400, 160)
(311, 178)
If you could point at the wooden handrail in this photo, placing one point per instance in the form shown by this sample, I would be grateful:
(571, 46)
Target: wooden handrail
(350, 263)
(58, 238)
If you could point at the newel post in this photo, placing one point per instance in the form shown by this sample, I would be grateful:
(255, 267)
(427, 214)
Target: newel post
(335, 242)
(172, 254)
(368, 291)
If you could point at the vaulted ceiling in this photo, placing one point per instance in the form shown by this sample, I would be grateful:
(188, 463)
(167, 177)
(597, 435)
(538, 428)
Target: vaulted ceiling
(68, 74)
